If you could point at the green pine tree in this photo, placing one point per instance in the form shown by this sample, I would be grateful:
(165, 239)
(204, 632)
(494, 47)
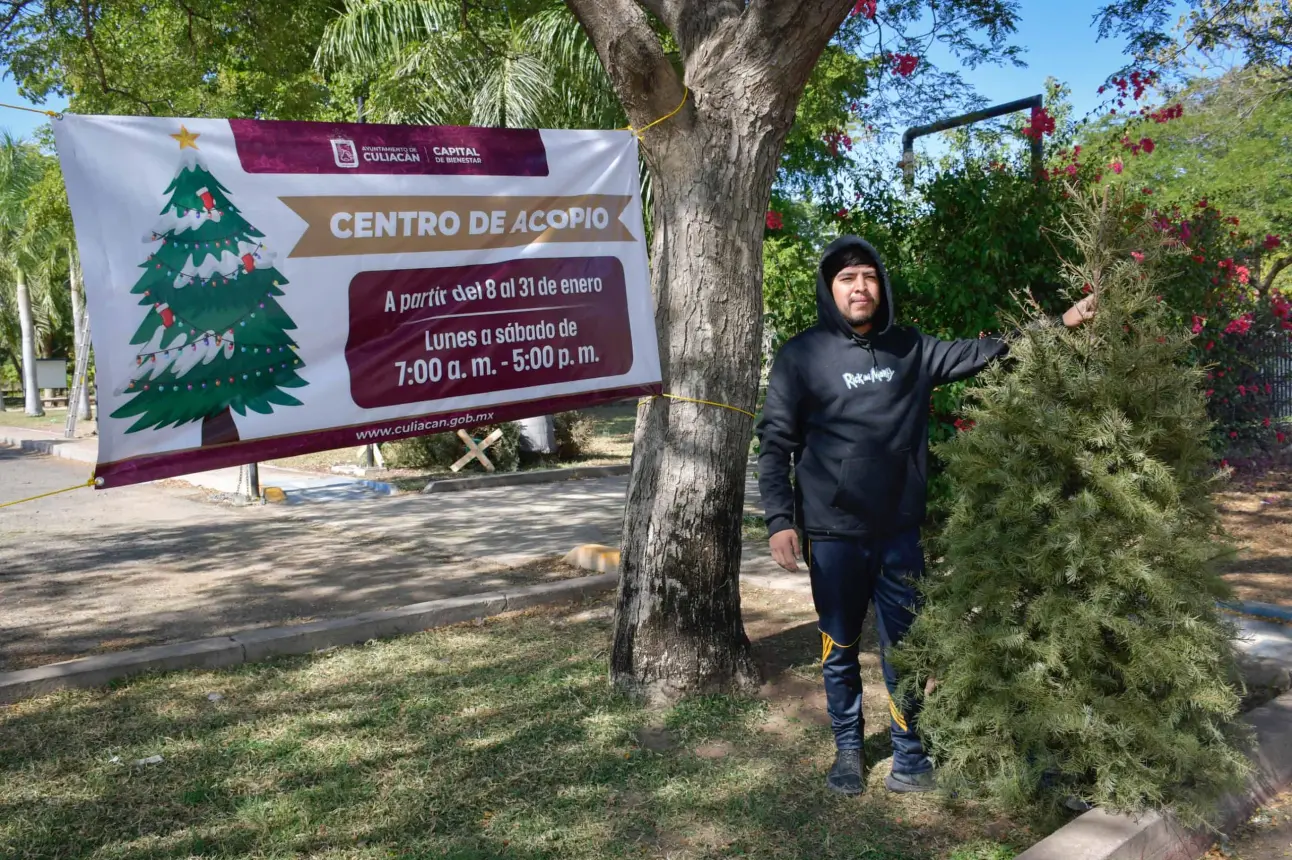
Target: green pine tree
(214, 339)
(1071, 623)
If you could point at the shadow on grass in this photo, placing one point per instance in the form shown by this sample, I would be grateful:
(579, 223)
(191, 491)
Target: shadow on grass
(474, 742)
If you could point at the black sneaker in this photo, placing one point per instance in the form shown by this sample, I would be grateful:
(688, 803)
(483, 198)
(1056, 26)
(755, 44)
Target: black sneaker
(911, 783)
(845, 776)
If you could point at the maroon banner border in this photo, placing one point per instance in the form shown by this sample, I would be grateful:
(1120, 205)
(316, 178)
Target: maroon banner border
(172, 464)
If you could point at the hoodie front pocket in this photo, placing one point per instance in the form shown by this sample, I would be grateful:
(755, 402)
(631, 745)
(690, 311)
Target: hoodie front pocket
(872, 487)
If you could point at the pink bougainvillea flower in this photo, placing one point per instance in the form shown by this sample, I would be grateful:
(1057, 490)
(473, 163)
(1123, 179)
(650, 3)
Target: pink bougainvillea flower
(1244, 275)
(1116, 167)
(842, 213)
(1148, 190)
(1242, 389)
(1186, 232)
(865, 8)
(1211, 344)
(1266, 422)
(1139, 258)
(774, 221)
(1239, 326)
(1233, 434)
(1041, 124)
(1210, 391)
(904, 65)
(1198, 323)
(1271, 242)
(1147, 145)
(1279, 436)
(1071, 169)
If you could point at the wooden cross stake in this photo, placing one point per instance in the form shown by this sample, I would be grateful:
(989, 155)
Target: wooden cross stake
(476, 451)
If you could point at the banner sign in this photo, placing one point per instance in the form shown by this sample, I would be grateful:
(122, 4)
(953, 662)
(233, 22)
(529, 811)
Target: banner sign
(263, 289)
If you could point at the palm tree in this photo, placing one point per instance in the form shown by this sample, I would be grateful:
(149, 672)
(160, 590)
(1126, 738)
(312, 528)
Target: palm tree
(427, 62)
(430, 63)
(21, 250)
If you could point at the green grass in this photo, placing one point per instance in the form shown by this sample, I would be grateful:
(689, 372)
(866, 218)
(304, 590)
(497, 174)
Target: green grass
(53, 421)
(753, 528)
(493, 741)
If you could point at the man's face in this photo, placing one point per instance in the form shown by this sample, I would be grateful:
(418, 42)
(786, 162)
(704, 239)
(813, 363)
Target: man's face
(856, 294)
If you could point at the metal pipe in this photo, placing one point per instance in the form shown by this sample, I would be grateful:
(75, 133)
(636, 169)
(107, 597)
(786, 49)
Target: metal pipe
(909, 136)
(371, 454)
(253, 480)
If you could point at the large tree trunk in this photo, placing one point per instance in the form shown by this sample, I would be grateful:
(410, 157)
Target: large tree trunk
(677, 624)
(31, 394)
(80, 344)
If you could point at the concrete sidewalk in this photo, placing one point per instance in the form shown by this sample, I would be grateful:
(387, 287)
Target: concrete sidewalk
(298, 486)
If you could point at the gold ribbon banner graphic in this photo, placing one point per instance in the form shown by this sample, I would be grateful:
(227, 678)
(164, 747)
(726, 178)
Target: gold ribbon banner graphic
(340, 226)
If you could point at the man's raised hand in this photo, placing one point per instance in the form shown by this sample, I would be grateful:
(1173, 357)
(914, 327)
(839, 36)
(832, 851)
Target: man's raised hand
(1080, 312)
(785, 549)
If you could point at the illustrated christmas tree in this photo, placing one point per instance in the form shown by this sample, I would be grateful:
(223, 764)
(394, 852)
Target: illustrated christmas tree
(1071, 621)
(214, 340)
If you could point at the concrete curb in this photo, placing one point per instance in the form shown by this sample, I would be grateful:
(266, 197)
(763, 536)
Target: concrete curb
(594, 556)
(1268, 611)
(64, 449)
(380, 487)
(518, 479)
(252, 645)
(605, 559)
(1098, 835)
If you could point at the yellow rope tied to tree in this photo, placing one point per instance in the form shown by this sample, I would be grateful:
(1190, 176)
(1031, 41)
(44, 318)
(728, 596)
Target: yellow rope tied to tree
(701, 402)
(686, 92)
(51, 113)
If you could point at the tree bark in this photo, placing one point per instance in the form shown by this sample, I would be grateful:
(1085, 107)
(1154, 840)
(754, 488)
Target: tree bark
(82, 406)
(31, 394)
(678, 627)
(219, 428)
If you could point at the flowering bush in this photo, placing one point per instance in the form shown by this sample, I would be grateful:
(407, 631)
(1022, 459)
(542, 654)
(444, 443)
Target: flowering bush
(1041, 124)
(1240, 331)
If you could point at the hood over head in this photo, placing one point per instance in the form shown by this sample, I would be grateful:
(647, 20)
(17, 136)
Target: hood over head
(828, 313)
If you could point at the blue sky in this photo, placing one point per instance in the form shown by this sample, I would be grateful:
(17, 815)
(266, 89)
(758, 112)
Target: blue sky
(1057, 35)
(1058, 39)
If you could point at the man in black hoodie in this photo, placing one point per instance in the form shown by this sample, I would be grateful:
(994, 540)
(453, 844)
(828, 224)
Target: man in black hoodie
(848, 403)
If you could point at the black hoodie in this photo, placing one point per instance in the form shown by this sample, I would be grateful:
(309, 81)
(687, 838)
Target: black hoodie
(852, 411)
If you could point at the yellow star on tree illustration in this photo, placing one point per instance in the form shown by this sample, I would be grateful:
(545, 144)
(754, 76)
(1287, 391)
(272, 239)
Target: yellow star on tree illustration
(186, 138)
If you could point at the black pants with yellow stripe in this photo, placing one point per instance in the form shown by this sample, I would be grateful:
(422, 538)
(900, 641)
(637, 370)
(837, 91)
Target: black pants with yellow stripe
(847, 575)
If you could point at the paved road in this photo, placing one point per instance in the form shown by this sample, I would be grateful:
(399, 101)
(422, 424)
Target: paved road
(89, 571)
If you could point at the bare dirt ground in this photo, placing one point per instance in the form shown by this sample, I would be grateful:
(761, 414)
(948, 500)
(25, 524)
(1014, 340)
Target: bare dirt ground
(1258, 514)
(1267, 835)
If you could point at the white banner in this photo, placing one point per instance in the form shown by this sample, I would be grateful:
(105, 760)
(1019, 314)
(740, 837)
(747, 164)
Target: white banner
(262, 289)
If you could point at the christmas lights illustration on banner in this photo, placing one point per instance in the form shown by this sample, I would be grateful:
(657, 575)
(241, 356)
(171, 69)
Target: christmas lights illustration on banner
(203, 347)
